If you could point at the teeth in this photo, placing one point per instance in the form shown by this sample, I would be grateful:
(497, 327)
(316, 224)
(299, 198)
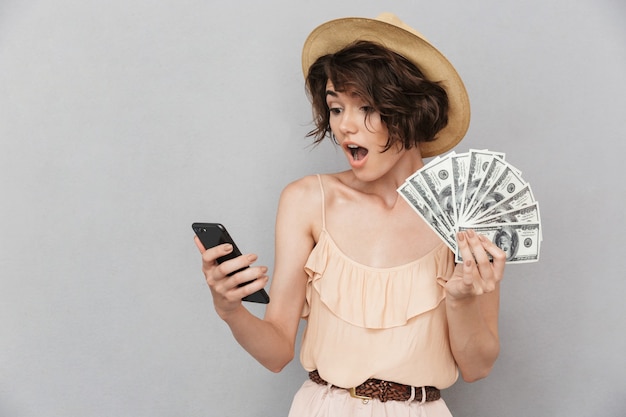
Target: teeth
(354, 149)
(357, 151)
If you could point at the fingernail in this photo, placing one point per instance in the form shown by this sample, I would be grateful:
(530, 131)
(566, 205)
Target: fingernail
(252, 258)
(460, 236)
(228, 247)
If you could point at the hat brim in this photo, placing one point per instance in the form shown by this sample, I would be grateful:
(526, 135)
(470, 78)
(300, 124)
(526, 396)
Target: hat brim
(332, 36)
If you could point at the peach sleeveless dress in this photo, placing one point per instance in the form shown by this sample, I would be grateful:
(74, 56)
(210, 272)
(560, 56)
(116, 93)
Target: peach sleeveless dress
(365, 322)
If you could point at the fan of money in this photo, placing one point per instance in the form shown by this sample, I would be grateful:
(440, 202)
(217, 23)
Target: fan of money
(477, 190)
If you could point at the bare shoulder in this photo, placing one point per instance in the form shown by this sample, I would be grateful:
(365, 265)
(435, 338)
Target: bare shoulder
(301, 204)
(301, 195)
(307, 193)
(300, 187)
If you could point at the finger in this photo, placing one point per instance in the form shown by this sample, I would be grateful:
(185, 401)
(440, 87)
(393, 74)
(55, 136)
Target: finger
(468, 259)
(476, 246)
(483, 274)
(246, 276)
(239, 292)
(235, 287)
(498, 255)
(490, 260)
(464, 248)
(199, 244)
(235, 265)
(254, 286)
(211, 255)
(469, 272)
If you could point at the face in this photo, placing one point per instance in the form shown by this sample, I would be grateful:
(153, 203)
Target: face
(361, 134)
(504, 242)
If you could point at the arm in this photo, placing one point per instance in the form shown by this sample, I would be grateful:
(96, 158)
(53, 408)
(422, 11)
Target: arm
(472, 306)
(270, 340)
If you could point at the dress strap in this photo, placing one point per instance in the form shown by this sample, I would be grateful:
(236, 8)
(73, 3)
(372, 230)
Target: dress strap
(319, 178)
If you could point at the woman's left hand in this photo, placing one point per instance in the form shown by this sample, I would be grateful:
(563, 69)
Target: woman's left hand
(477, 274)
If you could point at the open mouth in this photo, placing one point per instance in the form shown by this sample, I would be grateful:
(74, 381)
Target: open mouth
(358, 152)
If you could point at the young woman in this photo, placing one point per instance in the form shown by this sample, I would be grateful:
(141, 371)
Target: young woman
(390, 317)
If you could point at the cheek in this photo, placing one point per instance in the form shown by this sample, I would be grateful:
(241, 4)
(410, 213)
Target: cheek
(378, 129)
(375, 124)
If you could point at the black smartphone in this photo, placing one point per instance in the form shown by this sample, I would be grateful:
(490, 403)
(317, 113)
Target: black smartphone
(213, 234)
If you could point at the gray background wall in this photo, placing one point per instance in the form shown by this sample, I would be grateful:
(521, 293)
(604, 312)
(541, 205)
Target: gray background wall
(122, 122)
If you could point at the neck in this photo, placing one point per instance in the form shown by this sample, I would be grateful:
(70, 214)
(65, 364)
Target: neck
(386, 186)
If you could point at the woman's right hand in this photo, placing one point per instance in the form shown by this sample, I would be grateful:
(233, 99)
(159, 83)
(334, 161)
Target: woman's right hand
(226, 293)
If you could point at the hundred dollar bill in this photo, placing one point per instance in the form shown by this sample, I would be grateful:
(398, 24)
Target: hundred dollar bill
(479, 161)
(421, 188)
(438, 177)
(520, 241)
(417, 203)
(460, 164)
(496, 167)
(526, 214)
(508, 182)
(523, 197)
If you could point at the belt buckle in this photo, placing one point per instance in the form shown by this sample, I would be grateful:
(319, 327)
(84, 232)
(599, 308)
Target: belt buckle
(353, 394)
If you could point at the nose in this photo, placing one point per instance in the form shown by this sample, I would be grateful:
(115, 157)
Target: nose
(349, 122)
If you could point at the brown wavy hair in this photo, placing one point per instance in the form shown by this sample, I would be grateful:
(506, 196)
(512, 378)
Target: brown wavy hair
(413, 108)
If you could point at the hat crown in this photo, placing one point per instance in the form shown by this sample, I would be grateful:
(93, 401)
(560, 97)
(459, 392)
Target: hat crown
(392, 19)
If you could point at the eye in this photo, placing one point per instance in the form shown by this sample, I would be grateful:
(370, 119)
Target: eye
(335, 110)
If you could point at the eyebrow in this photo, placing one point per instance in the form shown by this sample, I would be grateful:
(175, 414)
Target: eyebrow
(331, 93)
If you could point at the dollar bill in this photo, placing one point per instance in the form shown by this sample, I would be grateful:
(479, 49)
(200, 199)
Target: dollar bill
(480, 190)
(479, 161)
(506, 182)
(526, 214)
(418, 204)
(491, 175)
(460, 165)
(520, 241)
(439, 179)
(524, 197)
(421, 188)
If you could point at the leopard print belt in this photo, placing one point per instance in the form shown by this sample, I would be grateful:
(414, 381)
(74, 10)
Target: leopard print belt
(383, 390)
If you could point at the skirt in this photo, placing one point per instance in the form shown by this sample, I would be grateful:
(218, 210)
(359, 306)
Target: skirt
(315, 400)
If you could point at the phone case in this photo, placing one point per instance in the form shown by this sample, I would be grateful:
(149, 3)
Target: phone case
(213, 234)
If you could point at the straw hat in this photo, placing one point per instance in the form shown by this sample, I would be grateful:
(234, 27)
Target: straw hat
(389, 31)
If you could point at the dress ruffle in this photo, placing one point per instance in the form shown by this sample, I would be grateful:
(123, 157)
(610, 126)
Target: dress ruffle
(353, 291)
